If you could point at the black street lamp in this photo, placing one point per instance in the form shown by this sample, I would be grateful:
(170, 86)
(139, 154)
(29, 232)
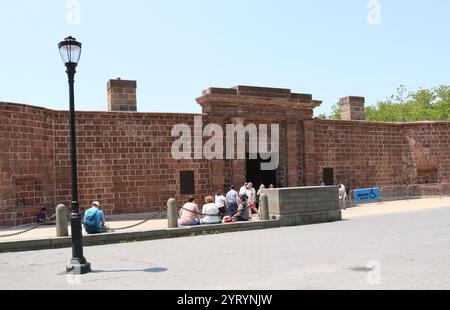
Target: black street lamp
(70, 51)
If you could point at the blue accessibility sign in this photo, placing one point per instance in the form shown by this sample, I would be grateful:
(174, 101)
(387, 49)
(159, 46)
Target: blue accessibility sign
(367, 194)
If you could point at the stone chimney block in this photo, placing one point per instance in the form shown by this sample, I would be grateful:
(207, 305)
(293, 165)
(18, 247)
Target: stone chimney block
(352, 108)
(122, 95)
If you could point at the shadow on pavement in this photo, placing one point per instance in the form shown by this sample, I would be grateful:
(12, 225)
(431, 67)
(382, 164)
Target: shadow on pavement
(148, 270)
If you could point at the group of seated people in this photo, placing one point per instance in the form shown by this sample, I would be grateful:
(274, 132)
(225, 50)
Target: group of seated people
(235, 207)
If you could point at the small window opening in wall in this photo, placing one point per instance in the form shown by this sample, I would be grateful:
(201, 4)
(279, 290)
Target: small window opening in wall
(328, 176)
(187, 182)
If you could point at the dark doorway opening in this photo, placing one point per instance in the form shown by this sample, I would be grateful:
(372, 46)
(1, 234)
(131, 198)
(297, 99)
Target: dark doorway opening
(187, 182)
(328, 176)
(257, 176)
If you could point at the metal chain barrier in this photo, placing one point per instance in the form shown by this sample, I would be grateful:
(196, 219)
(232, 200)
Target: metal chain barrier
(109, 229)
(204, 214)
(29, 229)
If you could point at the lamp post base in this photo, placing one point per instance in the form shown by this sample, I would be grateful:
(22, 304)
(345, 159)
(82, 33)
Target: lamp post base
(75, 266)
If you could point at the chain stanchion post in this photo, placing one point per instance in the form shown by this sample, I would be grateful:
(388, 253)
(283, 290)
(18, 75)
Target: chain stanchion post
(264, 207)
(62, 229)
(172, 215)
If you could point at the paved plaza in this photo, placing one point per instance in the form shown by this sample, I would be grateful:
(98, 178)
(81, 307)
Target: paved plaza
(400, 245)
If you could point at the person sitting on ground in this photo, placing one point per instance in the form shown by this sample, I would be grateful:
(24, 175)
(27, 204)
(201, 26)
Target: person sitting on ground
(210, 208)
(243, 213)
(94, 219)
(220, 202)
(42, 217)
(190, 214)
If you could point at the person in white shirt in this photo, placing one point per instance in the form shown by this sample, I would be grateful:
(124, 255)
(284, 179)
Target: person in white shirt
(261, 188)
(243, 189)
(220, 201)
(251, 195)
(342, 196)
(210, 208)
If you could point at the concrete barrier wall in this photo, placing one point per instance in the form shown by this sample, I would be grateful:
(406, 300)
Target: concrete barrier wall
(304, 205)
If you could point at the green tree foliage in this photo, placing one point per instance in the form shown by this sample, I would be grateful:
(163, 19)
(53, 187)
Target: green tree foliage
(335, 112)
(424, 104)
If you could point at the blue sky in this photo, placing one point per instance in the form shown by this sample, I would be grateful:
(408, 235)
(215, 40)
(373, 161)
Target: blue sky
(175, 49)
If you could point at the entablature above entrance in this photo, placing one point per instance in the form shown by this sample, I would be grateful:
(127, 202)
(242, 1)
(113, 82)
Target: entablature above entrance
(251, 101)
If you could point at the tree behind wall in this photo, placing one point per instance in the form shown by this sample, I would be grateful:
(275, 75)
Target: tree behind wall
(425, 104)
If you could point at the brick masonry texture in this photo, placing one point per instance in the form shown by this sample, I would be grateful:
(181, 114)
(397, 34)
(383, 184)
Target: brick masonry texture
(125, 160)
(377, 154)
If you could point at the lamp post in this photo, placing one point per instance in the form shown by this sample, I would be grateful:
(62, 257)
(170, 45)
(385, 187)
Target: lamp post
(70, 51)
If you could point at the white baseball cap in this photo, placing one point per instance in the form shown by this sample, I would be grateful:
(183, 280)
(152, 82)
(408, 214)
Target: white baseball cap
(96, 203)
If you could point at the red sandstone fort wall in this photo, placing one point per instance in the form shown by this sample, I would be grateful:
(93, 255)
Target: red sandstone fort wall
(27, 166)
(124, 159)
(365, 154)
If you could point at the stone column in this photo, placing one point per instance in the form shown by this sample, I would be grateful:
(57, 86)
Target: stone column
(238, 166)
(292, 154)
(310, 167)
(217, 168)
(217, 165)
(352, 108)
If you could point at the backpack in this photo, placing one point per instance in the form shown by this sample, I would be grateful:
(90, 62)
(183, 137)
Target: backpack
(89, 221)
